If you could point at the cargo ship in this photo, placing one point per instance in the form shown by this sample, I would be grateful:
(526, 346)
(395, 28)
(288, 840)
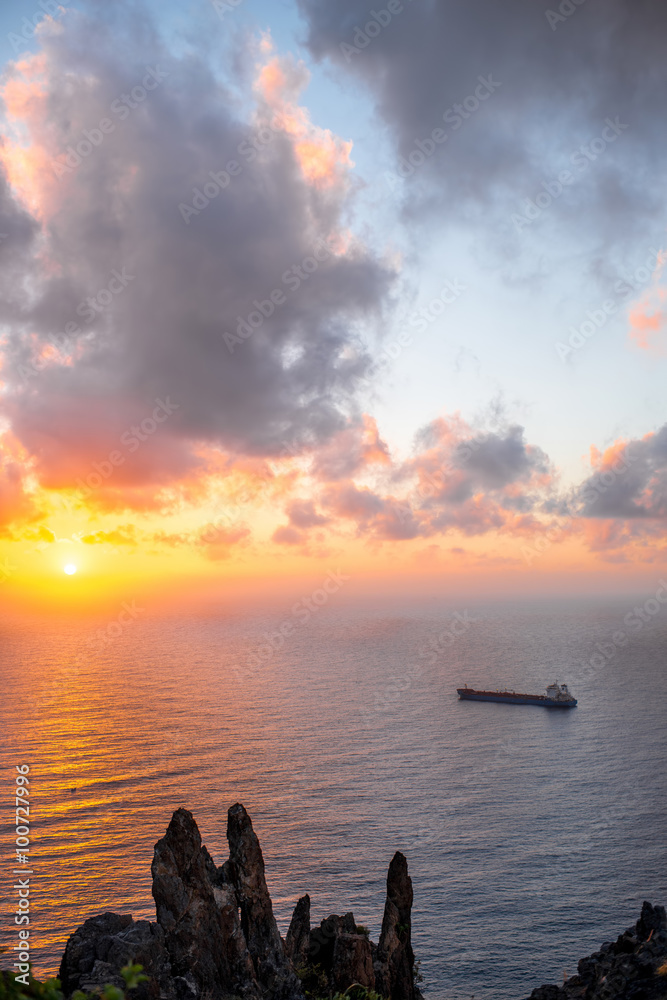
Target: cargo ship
(557, 696)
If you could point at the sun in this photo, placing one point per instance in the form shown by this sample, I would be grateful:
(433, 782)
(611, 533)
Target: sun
(70, 569)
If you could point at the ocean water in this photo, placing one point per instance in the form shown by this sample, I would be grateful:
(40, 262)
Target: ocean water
(531, 835)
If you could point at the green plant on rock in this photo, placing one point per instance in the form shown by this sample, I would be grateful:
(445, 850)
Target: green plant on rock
(358, 992)
(51, 989)
(133, 975)
(10, 989)
(314, 981)
(362, 930)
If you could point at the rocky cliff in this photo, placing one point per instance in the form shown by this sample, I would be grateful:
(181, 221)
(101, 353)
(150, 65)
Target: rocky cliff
(216, 937)
(634, 967)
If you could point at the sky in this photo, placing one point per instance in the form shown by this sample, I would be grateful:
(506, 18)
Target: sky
(298, 287)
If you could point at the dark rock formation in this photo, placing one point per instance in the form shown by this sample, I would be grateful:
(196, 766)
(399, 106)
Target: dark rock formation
(395, 959)
(103, 945)
(216, 936)
(352, 962)
(198, 914)
(297, 942)
(342, 953)
(346, 955)
(634, 967)
(323, 939)
(273, 968)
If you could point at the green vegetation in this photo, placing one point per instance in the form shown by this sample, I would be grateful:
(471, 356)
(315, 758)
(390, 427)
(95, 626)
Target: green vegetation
(357, 992)
(314, 981)
(316, 986)
(10, 989)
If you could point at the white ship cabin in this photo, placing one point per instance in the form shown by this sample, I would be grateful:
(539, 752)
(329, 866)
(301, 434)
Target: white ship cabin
(559, 692)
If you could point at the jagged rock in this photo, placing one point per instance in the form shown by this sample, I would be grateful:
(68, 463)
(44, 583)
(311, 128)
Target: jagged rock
(297, 942)
(395, 959)
(203, 936)
(323, 939)
(201, 949)
(352, 962)
(273, 968)
(627, 969)
(216, 936)
(653, 919)
(344, 955)
(97, 951)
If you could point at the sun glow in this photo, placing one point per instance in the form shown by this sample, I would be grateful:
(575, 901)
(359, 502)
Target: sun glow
(70, 569)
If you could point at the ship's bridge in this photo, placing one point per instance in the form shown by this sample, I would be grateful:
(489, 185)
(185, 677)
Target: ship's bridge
(559, 692)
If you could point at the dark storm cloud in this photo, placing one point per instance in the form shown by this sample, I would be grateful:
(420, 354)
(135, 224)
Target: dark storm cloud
(166, 289)
(453, 465)
(473, 483)
(559, 76)
(17, 234)
(631, 484)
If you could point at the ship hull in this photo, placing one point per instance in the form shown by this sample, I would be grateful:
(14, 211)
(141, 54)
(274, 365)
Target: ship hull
(512, 698)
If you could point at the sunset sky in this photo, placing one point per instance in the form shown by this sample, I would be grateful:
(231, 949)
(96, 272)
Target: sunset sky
(291, 287)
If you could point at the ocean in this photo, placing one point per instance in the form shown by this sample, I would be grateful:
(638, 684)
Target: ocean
(532, 835)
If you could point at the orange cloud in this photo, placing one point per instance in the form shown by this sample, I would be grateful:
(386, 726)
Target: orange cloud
(648, 320)
(125, 534)
(324, 158)
(18, 503)
(352, 451)
(612, 455)
(217, 542)
(648, 325)
(41, 534)
(28, 151)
